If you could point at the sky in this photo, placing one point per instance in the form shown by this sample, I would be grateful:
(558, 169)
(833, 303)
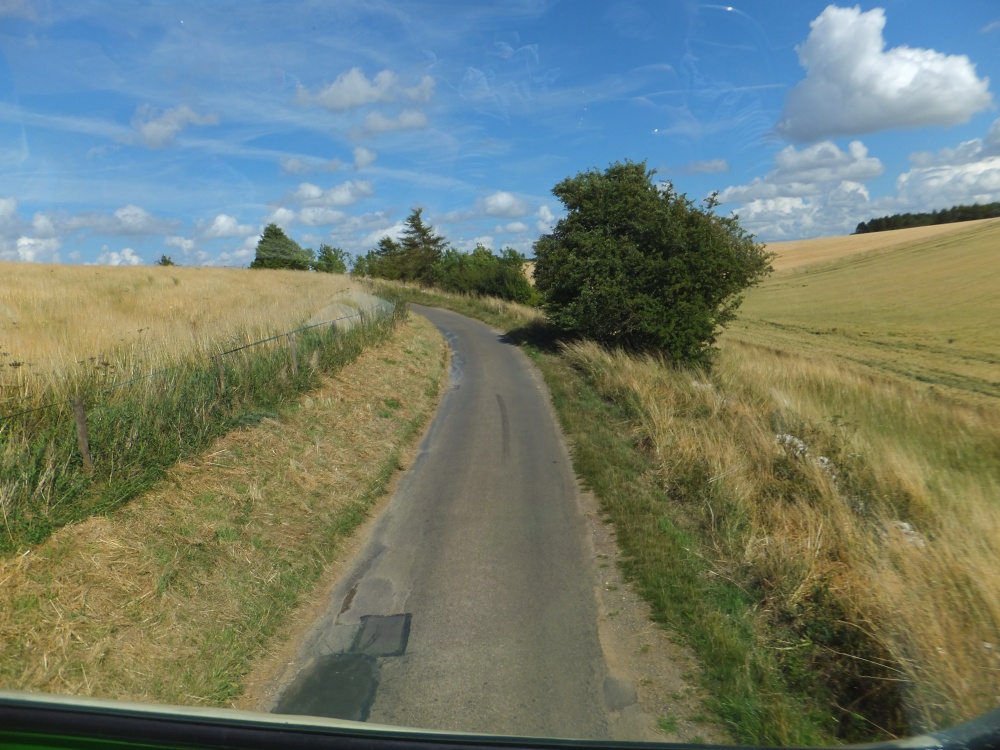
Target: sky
(133, 130)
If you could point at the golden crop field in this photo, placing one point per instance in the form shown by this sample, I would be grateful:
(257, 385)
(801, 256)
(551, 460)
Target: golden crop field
(922, 304)
(58, 321)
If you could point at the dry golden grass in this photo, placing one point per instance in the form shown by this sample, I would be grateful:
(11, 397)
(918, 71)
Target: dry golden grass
(171, 598)
(801, 253)
(60, 322)
(902, 526)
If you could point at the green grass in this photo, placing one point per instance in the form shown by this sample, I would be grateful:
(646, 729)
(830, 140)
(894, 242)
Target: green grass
(138, 431)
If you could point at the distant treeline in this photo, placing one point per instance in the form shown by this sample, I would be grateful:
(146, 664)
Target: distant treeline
(945, 216)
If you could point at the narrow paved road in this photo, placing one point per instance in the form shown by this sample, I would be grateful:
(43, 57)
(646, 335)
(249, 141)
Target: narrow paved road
(472, 606)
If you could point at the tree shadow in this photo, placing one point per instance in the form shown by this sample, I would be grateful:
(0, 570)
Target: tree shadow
(539, 335)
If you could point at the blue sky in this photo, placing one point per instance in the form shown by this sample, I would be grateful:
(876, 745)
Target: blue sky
(131, 130)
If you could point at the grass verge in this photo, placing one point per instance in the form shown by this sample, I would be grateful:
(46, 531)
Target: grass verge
(171, 597)
(138, 431)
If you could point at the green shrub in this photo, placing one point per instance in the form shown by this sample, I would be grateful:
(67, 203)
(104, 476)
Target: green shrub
(637, 265)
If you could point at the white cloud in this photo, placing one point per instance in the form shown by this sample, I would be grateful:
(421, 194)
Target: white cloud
(158, 130)
(34, 250)
(409, 119)
(346, 194)
(808, 172)
(8, 212)
(354, 89)
(282, 216)
(968, 173)
(317, 216)
(43, 225)
(127, 257)
(514, 227)
(394, 231)
(926, 188)
(224, 225)
(503, 204)
(294, 165)
(853, 85)
(183, 244)
(127, 220)
(363, 157)
(545, 220)
(711, 166)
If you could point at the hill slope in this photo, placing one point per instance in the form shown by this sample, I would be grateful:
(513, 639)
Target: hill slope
(925, 307)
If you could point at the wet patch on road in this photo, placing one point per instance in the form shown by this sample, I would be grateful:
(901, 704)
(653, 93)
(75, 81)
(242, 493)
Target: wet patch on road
(343, 686)
(338, 686)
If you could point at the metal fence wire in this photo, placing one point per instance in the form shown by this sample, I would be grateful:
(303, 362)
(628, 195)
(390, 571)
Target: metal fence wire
(383, 308)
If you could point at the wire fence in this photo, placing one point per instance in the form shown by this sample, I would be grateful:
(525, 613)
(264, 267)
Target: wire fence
(52, 474)
(384, 307)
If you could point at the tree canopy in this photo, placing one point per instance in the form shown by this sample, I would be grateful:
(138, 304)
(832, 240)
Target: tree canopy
(637, 265)
(412, 258)
(330, 260)
(275, 249)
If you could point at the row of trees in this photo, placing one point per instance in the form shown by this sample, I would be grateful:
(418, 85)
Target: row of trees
(422, 256)
(632, 264)
(945, 216)
(275, 249)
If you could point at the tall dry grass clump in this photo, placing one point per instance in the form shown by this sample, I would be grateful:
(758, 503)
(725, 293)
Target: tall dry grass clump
(144, 350)
(860, 511)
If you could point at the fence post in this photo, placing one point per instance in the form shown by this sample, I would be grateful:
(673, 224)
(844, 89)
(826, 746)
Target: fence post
(294, 354)
(221, 373)
(82, 438)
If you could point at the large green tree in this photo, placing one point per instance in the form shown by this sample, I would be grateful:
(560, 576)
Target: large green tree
(330, 260)
(275, 249)
(637, 265)
(412, 258)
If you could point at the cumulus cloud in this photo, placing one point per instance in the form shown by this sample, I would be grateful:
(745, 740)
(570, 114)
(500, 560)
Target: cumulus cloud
(127, 220)
(34, 250)
(318, 216)
(224, 225)
(544, 220)
(409, 119)
(8, 212)
(281, 216)
(853, 85)
(395, 231)
(808, 172)
(514, 227)
(155, 129)
(183, 244)
(126, 257)
(346, 194)
(354, 89)
(503, 204)
(363, 157)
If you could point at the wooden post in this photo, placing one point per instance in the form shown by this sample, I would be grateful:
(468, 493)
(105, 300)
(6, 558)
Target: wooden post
(294, 354)
(221, 373)
(82, 439)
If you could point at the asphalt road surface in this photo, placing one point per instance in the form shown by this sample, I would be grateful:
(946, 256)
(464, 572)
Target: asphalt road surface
(471, 607)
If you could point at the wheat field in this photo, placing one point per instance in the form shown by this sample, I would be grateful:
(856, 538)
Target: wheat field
(59, 322)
